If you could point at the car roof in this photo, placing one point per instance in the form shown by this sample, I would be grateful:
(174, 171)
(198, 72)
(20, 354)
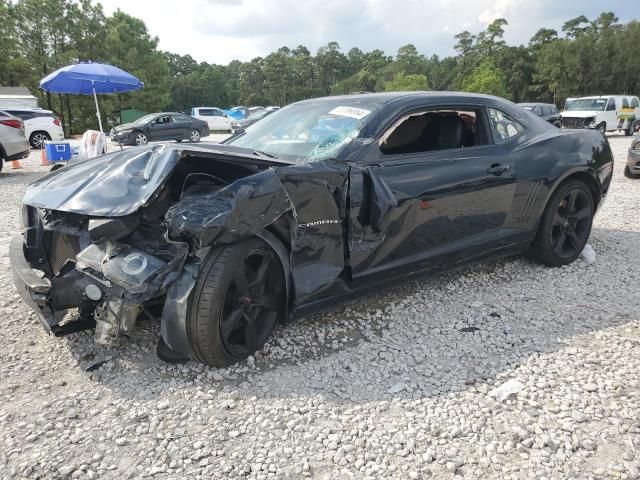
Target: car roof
(390, 96)
(215, 108)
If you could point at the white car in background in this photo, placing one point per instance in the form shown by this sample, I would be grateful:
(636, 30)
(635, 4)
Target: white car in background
(13, 142)
(215, 118)
(39, 125)
(606, 113)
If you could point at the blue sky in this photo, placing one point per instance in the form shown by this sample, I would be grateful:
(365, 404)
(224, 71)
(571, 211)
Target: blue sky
(218, 31)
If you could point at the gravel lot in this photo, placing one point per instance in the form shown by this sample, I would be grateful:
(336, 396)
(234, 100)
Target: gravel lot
(394, 386)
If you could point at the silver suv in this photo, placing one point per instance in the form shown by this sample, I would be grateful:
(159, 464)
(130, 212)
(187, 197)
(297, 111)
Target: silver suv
(13, 142)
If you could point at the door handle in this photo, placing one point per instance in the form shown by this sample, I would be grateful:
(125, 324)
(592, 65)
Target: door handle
(497, 169)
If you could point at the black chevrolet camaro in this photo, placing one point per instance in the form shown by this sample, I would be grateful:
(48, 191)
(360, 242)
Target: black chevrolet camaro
(322, 200)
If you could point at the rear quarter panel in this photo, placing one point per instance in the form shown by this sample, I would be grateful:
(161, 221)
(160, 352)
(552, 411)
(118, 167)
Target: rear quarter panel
(546, 160)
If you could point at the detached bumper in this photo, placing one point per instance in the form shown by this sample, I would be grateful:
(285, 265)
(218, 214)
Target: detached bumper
(33, 289)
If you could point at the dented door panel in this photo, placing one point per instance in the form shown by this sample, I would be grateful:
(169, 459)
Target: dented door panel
(442, 202)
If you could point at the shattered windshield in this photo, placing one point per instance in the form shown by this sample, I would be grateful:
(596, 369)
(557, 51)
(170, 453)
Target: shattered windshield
(313, 130)
(587, 104)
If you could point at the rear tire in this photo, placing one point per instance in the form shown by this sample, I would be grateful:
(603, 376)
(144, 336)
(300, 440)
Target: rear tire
(565, 225)
(37, 139)
(235, 303)
(194, 136)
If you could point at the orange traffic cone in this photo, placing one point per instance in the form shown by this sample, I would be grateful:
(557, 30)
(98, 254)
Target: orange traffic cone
(43, 158)
(15, 164)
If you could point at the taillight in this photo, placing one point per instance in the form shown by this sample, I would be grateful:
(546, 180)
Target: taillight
(56, 122)
(12, 123)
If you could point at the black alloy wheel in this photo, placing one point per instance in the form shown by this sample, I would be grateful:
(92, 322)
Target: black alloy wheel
(236, 302)
(565, 225)
(571, 224)
(251, 304)
(38, 138)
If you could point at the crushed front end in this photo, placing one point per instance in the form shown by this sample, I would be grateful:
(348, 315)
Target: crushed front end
(106, 268)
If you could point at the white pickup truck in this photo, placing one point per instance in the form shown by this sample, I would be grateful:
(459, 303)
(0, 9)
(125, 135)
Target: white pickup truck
(606, 113)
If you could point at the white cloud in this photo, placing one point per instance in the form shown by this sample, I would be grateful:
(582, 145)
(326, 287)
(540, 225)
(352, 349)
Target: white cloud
(219, 31)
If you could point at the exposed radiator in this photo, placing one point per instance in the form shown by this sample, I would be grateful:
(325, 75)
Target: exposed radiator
(64, 247)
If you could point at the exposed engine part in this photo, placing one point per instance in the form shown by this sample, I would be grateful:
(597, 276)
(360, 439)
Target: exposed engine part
(113, 317)
(128, 316)
(93, 292)
(103, 229)
(107, 316)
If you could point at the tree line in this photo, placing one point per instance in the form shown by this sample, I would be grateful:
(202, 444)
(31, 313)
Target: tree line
(38, 36)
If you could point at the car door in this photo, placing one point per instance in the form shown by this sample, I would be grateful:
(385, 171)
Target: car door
(181, 126)
(221, 120)
(416, 208)
(611, 113)
(160, 128)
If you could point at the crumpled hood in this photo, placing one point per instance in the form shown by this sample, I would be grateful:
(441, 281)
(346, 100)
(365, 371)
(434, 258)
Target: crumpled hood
(580, 113)
(120, 183)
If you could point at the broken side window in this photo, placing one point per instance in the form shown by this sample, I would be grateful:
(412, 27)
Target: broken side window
(435, 129)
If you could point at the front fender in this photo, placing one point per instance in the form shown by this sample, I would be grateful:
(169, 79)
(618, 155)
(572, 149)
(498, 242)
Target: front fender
(237, 211)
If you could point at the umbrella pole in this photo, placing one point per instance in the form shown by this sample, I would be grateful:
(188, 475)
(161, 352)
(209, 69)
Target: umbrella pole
(95, 98)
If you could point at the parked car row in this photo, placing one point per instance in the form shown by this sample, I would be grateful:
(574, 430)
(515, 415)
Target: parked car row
(223, 120)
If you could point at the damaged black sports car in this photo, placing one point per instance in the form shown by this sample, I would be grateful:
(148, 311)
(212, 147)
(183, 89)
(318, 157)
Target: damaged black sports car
(322, 200)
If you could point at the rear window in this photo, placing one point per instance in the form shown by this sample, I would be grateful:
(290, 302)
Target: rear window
(503, 126)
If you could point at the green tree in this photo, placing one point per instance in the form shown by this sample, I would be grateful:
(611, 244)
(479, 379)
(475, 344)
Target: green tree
(486, 78)
(402, 82)
(409, 61)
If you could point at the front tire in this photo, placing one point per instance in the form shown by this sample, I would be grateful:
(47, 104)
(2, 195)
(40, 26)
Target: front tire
(140, 139)
(602, 128)
(37, 139)
(235, 303)
(565, 226)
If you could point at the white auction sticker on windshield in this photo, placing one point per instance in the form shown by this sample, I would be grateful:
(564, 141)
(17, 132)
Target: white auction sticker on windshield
(352, 112)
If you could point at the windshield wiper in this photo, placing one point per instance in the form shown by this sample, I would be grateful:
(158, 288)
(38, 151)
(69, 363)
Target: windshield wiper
(260, 153)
